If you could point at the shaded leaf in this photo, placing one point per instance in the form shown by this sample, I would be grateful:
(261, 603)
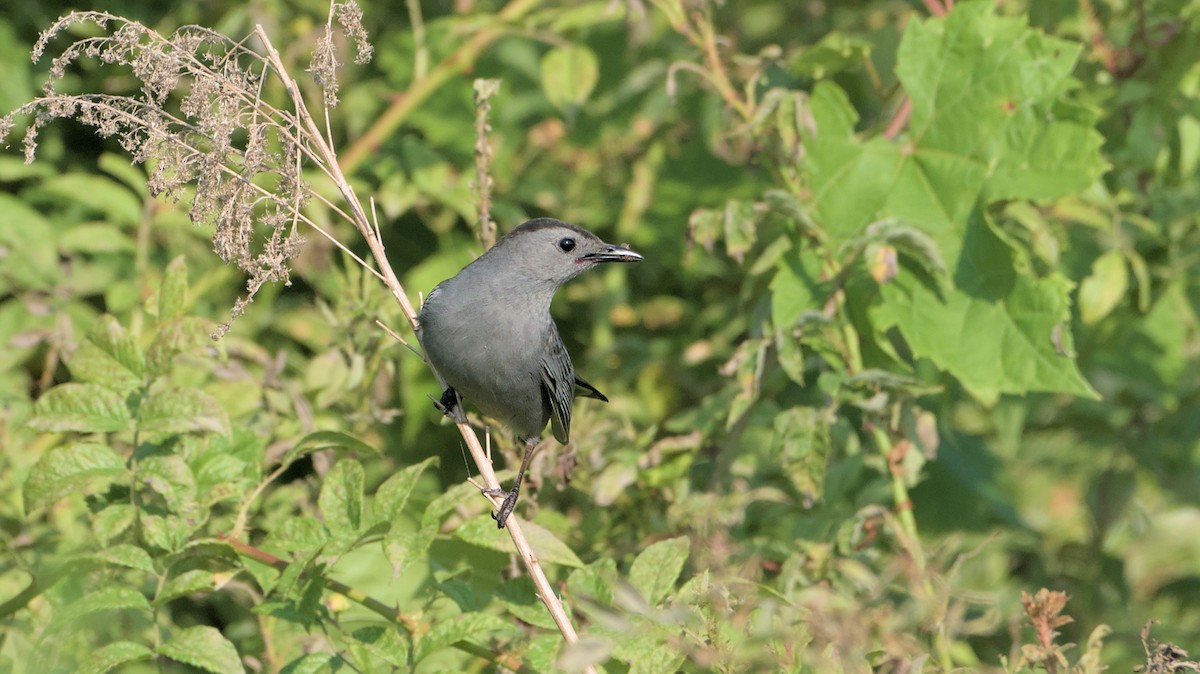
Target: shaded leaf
(68, 469)
(569, 74)
(203, 647)
(655, 569)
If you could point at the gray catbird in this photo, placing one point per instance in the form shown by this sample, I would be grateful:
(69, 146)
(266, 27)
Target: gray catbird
(488, 332)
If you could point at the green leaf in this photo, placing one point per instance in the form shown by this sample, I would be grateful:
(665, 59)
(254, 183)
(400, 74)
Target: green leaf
(1104, 288)
(174, 411)
(195, 580)
(315, 442)
(111, 598)
(595, 581)
(69, 469)
(392, 495)
(84, 408)
(98, 238)
(656, 569)
(568, 75)
(299, 534)
(31, 259)
(111, 655)
(97, 193)
(171, 478)
(341, 499)
(387, 644)
(520, 597)
(125, 555)
(477, 628)
(313, 662)
(168, 532)
(661, 659)
(113, 521)
(999, 332)
(110, 357)
(173, 337)
(172, 293)
(203, 647)
(550, 549)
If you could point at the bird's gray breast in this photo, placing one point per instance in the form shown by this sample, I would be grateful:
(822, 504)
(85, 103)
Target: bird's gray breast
(491, 351)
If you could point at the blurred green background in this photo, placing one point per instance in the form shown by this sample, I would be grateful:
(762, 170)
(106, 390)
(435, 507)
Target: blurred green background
(714, 431)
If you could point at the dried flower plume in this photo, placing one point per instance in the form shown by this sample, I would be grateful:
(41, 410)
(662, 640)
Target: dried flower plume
(244, 156)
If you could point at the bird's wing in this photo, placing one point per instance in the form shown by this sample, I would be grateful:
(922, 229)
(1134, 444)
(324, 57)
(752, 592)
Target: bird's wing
(586, 390)
(558, 385)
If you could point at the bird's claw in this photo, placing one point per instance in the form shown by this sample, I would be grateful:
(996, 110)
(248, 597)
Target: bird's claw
(448, 401)
(506, 506)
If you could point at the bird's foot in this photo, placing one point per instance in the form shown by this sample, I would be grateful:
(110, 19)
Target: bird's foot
(506, 506)
(448, 401)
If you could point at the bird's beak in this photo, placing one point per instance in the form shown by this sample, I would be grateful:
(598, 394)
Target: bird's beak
(613, 253)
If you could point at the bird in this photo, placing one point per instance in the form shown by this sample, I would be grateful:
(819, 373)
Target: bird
(488, 332)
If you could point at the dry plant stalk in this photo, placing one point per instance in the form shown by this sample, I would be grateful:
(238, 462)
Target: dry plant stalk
(243, 156)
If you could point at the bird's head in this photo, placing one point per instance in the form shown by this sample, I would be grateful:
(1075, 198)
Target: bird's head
(550, 252)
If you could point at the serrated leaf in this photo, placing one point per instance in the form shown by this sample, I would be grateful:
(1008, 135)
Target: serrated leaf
(386, 644)
(341, 498)
(83, 408)
(315, 442)
(203, 647)
(569, 74)
(113, 521)
(169, 532)
(172, 292)
(173, 337)
(195, 580)
(656, 569)
(1002, 332)
(111, 655)
(110, 357)
(170, 477)
(174, 411)
(68, 469)
(392, 495)
(1104, 288)
(125, 555)
(110, 598)
(477, 628)
(550, 549)
(313, 662)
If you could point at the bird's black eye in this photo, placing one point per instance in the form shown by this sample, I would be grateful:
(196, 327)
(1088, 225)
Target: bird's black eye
(566, 244)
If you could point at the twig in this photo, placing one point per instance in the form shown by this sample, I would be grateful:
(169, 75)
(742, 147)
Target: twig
(375, 244)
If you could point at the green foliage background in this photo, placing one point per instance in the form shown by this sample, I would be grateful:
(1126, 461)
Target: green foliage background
(867, 389)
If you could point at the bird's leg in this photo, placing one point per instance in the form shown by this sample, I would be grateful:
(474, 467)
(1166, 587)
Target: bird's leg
(510, 496)
(448, 402)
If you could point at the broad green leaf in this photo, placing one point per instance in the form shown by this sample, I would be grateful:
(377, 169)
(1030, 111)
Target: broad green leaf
(549, 548)
(112, 655)
(834, 53)
(168, 532)
(125, 555)
(998, 332)
(387, 644)
(174, 411)
(97, 193)
(195, 580)
(1104, 288)
(174, 336)
(520, 597)
(31, 258)
(68, 469)
(110, 598)
(110, 357)
(341, 499)
(170, 477)
(315, 442)
(203, 647)
(83, 408)
(172, 292)
(569, 74)
(392, 495)
(113, 521)
(476, 628)
(595, 582)
(299, 534)
(97, 238)
(314, 662)
(660, 659)
(656, 569)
